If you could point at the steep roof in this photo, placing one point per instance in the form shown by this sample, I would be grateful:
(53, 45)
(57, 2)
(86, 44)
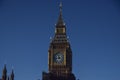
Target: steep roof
(60, 22)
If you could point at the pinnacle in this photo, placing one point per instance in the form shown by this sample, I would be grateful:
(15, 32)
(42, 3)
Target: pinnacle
(60, 22)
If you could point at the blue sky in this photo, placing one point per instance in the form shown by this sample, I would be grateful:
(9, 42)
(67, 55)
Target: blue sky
(93, 27)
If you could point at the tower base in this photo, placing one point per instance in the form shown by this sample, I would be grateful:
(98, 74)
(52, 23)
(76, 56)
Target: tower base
(52, 76)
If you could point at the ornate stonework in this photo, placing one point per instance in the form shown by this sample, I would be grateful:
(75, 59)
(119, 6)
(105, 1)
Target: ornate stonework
(59, 54)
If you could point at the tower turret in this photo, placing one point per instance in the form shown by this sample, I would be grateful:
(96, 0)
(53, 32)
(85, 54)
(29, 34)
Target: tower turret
(12, 75)
(4, 74)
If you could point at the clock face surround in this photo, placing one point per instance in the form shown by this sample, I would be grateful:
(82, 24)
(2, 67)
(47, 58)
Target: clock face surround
(58, 58)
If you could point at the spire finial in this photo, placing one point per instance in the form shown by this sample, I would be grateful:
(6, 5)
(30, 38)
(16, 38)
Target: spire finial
(4, 67)
(60, 7)
(12, 67)
(12, 72)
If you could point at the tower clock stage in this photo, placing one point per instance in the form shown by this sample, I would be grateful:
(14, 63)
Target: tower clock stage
(58, 58)
(59, 54)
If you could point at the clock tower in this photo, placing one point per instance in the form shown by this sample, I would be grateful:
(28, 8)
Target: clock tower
(59, 54)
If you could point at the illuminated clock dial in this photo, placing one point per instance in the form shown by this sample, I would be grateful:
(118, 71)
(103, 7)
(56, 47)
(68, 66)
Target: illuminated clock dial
(58, 58)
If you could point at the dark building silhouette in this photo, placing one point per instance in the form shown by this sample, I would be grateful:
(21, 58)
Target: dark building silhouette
(59, 54)
(5, 76)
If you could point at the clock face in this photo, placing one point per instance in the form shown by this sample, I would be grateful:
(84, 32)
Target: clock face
(58, 58)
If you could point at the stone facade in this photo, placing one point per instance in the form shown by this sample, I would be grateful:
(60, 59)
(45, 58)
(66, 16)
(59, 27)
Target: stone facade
(59, 54)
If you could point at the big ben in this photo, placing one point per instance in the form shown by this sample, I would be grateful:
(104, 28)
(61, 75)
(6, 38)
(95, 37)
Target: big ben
(59, 54)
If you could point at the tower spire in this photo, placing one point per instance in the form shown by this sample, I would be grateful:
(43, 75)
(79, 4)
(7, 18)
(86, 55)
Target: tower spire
(4, 75)
(60, 22)
(12, 75)
(60, 8)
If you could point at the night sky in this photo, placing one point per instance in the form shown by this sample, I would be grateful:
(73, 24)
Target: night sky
(93, 27)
